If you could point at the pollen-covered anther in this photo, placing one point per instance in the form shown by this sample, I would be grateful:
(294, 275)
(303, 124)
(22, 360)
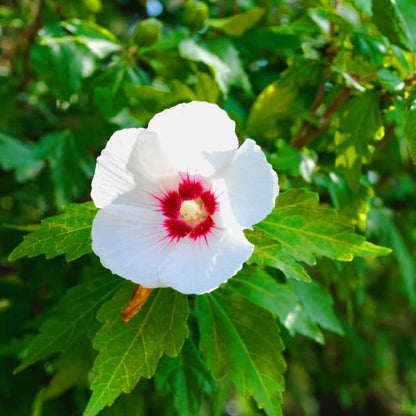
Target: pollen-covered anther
(193, 212)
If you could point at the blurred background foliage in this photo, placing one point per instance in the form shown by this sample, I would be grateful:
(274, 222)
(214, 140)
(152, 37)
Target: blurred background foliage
(325, 86)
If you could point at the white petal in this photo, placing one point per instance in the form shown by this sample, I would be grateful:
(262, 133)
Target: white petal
(197, 267)
(129, 168)
(252, 185)
(190, 132)
(127, 241)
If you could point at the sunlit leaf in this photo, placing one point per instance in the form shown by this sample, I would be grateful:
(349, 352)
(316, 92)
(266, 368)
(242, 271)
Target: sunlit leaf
(98, 39)
(239, 23)
(189, 49)
(306, 229)
(276, 103)
(269, 252)
(68, 233)
(361, 126)
(129, 351)
(228, 53)
(206, 88)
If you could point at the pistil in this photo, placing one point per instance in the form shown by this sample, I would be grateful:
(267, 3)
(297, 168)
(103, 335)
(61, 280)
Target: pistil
(193, 212)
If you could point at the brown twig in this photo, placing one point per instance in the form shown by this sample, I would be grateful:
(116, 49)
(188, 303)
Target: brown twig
(26, 38)
(308, 132)
(137, 300)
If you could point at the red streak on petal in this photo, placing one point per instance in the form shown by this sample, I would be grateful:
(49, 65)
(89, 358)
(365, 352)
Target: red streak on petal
(176, 229)
(190, 188)
(210, 202)
(170, 204)
(202, 229)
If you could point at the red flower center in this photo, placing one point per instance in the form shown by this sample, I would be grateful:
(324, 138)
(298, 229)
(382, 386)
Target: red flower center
(188, 210)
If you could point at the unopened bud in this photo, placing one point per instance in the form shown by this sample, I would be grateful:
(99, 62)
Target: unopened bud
(147, 32)
(194, 15)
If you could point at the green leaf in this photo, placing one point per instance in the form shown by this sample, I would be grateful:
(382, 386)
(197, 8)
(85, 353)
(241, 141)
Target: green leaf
(150, 100)
(361, 125)
(364, 5)
(390, 23)
(300, 308)
(107, 95)
(110, 90)
(269, 252)
(19, 157)
(68, 169)
(56, 62)
(68, 233)
(228, 53)
(206, 89)
(238, 24)
(287, 159)
(276, 103)
(187, 377)
(410, 123)
(241, 341)
(129, 351)
(408, 13)
(306, 229)
(189, 49)
(272, 104)
(71, 369)
(390, 80)
(65, 75)
(97, 39)
(392, 236)
(72, 317)
(317, 303)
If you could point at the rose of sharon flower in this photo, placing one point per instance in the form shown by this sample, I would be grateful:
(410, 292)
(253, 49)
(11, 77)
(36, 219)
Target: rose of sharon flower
(175, 198)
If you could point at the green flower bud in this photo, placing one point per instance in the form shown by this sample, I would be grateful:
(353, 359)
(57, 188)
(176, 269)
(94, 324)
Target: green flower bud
(194, 15)
(147, 32)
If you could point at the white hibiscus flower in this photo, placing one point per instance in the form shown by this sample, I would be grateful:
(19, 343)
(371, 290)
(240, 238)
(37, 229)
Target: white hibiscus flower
(175, 198)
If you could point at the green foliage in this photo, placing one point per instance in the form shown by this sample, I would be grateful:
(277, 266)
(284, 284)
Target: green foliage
(300, 307)
(68, 233)
(278, 100)
(362, 125)
(186, 377)
(239, 23)
(73, 316)
(18, 156)
(236, 335)
(269, 252)
(389, 21)
(306, 229)
(129, 351)
(410, 123)
(327, 89)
